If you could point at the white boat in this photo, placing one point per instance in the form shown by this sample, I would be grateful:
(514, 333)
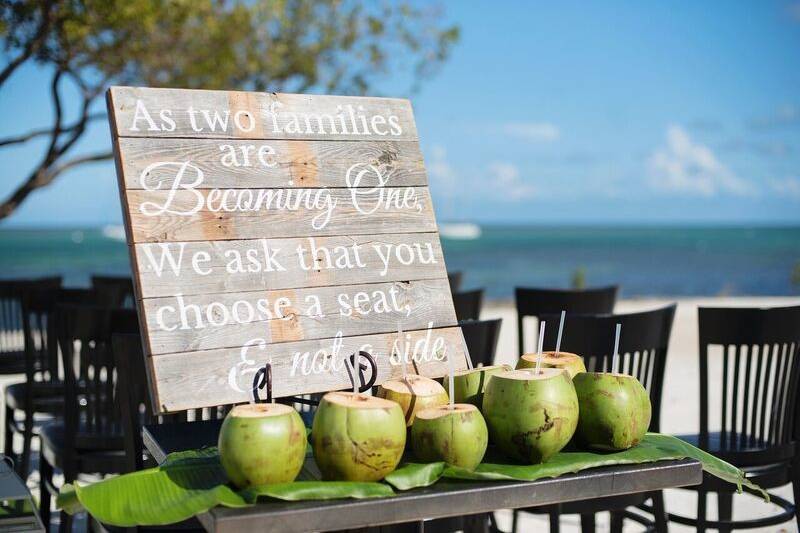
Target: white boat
(114, 232)
(465, 231)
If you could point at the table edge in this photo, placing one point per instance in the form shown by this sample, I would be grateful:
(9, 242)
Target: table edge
(476, 497)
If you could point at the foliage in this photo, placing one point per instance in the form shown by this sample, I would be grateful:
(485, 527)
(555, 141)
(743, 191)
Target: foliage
(189, 483)
(578, 280)
(192, 482)
(654, 447)
(282, 45)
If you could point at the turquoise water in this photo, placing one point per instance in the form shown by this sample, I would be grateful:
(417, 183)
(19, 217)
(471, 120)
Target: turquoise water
(645, 261)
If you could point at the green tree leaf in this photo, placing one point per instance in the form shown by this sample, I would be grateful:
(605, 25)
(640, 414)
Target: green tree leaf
(259, 45)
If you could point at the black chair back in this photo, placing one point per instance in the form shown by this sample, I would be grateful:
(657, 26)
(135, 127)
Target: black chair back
(39, 330)
(758, 375)
(114, 291)
(12, 292)
(136, 408)
(468, 304)
(643, 344)
(536, 302)
(481, 337)
(91, 410)
(454, 278)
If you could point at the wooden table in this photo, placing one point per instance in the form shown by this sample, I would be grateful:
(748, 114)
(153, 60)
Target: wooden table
(444, 499)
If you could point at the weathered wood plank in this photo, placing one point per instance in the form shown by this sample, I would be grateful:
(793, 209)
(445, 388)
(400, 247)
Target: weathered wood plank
(210, 321)
(251, 115)
(212, 266)
(218, 377)
(152, 382)
(277, 164)
(191, 218)
(244, 207)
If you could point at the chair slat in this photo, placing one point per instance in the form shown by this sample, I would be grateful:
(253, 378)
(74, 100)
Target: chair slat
(759, 378)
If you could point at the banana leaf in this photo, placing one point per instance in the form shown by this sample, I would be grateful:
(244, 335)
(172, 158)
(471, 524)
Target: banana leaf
(412, 475)
(319, 490)
(186, 484)
(654, 447)
(192, 482)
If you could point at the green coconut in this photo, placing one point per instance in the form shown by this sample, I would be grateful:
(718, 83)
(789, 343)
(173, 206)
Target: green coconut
(261, 444)
(468, 385)
(456, 435)
(531, 416)
(414, 393)
(572, 363)
(615, 410)
(357, 437)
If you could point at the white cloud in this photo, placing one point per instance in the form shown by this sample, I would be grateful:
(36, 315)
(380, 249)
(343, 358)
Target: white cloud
(439, 167)
(786, 187)
(535, 132)
(688, 167)
(506, 182)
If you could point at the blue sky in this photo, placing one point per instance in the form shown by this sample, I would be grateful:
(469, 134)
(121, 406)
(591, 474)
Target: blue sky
(620, 112)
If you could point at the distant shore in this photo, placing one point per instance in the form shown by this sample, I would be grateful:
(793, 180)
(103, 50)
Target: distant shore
(642, 260)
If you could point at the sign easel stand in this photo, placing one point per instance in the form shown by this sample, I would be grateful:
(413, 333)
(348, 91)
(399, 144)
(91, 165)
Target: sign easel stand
(263, 380)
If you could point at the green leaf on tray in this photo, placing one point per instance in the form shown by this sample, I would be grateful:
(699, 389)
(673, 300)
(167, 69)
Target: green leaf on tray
(319, 490)
(187, 484)
(716, 467)
(192, 482)
(654, 447)
(412, 475)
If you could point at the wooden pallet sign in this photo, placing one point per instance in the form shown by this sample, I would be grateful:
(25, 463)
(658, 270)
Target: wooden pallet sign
(287, 229)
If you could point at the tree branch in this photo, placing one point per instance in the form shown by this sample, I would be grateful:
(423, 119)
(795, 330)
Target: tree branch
(50, 155)
(33, 45)
(47, 170)
(41, 177)
(76, 161)
(47, 131)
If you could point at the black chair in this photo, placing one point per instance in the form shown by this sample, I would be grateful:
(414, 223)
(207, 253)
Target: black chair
(89, 437)
(12, 344)
(468, 304)
(135, 406)
(643, 354)
(43, 390)
(757, 352)
(536, 302)
(136, 409)
(455, 278)
(481, 337)
(114, 291)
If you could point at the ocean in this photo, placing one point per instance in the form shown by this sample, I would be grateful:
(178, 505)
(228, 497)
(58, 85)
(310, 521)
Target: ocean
(644, 261)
